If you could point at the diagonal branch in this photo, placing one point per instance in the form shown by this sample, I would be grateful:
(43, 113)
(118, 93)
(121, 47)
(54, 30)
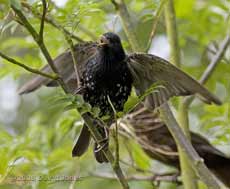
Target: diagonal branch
(90, 123)
(155, 22)
(13, 61)
(127, 23)
(70, 42)
(41, 45)
(169, 119)
(211, 67)
(187, 147)
(86, 31)
(44, 4)
(219, 55)
(171, 27)
(87, 118)
(189, 176)
(51, 21)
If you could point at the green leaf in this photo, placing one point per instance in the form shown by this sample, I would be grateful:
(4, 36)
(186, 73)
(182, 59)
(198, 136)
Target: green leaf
(152, 89)
(95, 111)
(133, 101)
(70, 107)
(140, 157)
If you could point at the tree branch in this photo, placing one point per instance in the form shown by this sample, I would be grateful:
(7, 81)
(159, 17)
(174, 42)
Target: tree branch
(127, 23)
(87, 32)
(70, 42)
(87, 118)
(89, 122)
(11, 60)
(186, 147)
(170, 19)
(94, 131)
(219, 55)
(41, 45)
(155, 22)
(136, 168)
(152, 178)
(188, 173)
(52, 22)
(168, 117)
(211, 67)
(43, 19)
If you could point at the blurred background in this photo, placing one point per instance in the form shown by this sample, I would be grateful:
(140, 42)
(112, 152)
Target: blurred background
(36, 135)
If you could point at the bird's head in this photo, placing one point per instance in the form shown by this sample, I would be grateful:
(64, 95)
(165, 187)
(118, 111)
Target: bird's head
(111, 44)
(109, 39)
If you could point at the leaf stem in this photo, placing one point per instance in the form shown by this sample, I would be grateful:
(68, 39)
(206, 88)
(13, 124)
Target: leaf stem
(32, 70)
(89, 120)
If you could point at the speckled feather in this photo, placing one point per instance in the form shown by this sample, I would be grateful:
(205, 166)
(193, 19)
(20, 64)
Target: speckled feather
(107, 71)
(100, 83)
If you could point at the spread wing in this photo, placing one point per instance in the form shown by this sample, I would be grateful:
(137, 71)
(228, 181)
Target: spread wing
(65, 66)
(147, 69)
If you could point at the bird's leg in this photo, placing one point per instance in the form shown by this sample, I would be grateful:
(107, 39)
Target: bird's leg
(105, 134)
(104, 142)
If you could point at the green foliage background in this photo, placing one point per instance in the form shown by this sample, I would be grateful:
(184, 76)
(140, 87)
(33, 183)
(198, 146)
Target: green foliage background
(39, 139)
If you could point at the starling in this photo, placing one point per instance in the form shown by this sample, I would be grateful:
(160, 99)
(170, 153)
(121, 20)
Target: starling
(107, 72)
(155, 139)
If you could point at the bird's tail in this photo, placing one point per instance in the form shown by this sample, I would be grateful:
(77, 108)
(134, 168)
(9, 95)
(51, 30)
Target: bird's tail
(156, 140)
(221, 168)
(82, 142)
(65, 67)
(33, 84)
(103, 146)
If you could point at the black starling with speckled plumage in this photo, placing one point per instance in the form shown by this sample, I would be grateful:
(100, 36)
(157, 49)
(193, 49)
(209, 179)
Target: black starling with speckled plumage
(105, 71)
(107, 76)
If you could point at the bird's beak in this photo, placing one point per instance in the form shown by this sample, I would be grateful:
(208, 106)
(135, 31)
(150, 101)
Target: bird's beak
(103, 41)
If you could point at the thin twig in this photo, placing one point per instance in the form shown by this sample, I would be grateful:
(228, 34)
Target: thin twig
(127, 23)
(90, 123)
(41, 45)
(87, 118)
(172, 33)
(43, 19)
(152, 178)
(124, 123)
(189, 176)
(219, 55)
(168, 117)
(117, 156)
(70, 42)
(52, 22)
(115, 135)
(11, 60)
(155, 22)
(87, 32)
(138, 169)
(81, 27)
(211, 67)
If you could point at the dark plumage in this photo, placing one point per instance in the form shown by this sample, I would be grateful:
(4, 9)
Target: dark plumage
(156, 140)
(106, 71)
(107, 75)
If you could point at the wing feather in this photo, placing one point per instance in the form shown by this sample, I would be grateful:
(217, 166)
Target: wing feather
(147, 69)
(64, 63)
